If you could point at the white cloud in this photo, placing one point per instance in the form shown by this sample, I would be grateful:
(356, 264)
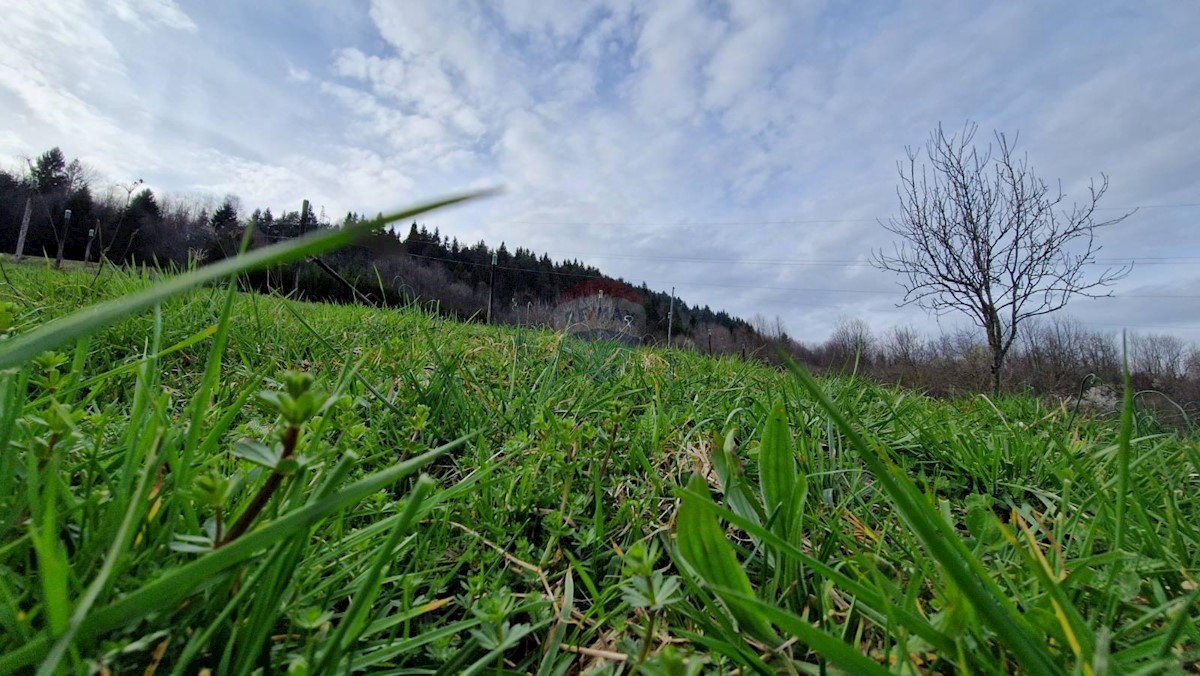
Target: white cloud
(51, 60)
(676, 40)
(686, 129)
(298, 74)
(150, 14)
(556, 23)
(748, 60)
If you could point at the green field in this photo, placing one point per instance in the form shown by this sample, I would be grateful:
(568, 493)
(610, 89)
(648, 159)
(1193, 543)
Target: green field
(413, 495)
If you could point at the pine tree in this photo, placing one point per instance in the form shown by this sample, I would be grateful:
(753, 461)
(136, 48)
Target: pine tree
(50, 174)
(225, 218)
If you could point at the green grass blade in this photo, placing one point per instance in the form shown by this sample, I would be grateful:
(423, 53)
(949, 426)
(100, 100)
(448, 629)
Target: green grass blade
(864, 595)
(124, 535)
(53, 568)
(1124, 446)
(212, 372)
(943, 543)
(1177, 624)
(511, 640)
(736, 491)
(1080, 635)
(830, 647)
(350, 627)
(178, 583)
(404, 646)
(551, 649)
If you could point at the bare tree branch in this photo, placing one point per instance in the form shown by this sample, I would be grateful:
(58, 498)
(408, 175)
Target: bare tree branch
(980, 233)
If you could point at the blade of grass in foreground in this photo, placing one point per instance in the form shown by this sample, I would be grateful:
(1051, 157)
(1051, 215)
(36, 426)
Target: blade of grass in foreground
(554, 639)
(119, 545)
(178, 583)
(834, 649)
(349, 627)
(863, 594)
(50, 335)
(1123, 454)
(943, 543)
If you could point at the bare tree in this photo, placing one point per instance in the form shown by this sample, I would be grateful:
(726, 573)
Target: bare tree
(904, 346)
(850, 343)
(1160, 356)
(981, 234)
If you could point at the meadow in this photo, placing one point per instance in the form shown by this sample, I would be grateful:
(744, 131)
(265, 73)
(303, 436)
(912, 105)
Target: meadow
(238, 483)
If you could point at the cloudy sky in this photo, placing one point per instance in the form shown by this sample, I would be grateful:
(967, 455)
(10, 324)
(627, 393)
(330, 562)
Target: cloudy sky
(738, 151)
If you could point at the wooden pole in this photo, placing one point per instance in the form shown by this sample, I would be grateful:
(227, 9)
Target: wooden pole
(670, 316)
(491, 288)
(87, 252)
(20, 253)
(62, 240)
(296, 275)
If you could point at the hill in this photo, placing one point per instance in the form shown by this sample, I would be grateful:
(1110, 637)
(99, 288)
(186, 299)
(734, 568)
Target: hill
(586, 505)
(65, 215)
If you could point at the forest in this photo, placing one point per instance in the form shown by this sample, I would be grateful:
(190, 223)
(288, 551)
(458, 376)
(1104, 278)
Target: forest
(129, 224)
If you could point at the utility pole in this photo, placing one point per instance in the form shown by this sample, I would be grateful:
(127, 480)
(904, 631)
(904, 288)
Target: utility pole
(62, 240)
(20, 253)
(670, 316)
(710, 339)
(491, 288)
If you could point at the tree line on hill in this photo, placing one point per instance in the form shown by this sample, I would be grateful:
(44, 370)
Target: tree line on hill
(130, 224)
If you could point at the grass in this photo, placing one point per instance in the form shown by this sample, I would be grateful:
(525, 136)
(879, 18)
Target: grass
(245, 484)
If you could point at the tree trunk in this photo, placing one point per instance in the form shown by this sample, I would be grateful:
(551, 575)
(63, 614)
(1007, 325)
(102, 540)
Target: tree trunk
(997, 367)
(62, 239)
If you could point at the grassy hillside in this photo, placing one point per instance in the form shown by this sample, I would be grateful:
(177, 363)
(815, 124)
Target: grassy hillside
(414, 495)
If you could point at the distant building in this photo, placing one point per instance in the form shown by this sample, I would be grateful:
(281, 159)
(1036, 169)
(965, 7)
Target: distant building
(601, 309)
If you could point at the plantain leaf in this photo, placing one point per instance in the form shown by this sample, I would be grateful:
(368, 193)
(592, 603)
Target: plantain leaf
(738, 494)
(777, 464)
(703, 546)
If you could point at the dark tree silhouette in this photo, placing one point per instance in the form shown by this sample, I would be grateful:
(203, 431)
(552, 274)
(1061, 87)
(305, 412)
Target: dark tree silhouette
(56, 182)
(982, 234)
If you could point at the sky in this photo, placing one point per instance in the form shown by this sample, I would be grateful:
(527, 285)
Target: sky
(741, 152)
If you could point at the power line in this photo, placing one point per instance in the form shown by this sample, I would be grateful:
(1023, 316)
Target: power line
(796, 221)
(1158, 327)
(1185, 205)
(818, 290)
(810, 221)
(815, 262)
(744, 286)
(843, 263)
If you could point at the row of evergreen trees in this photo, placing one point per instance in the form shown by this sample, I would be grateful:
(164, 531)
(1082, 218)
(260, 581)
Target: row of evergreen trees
(130, 224)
